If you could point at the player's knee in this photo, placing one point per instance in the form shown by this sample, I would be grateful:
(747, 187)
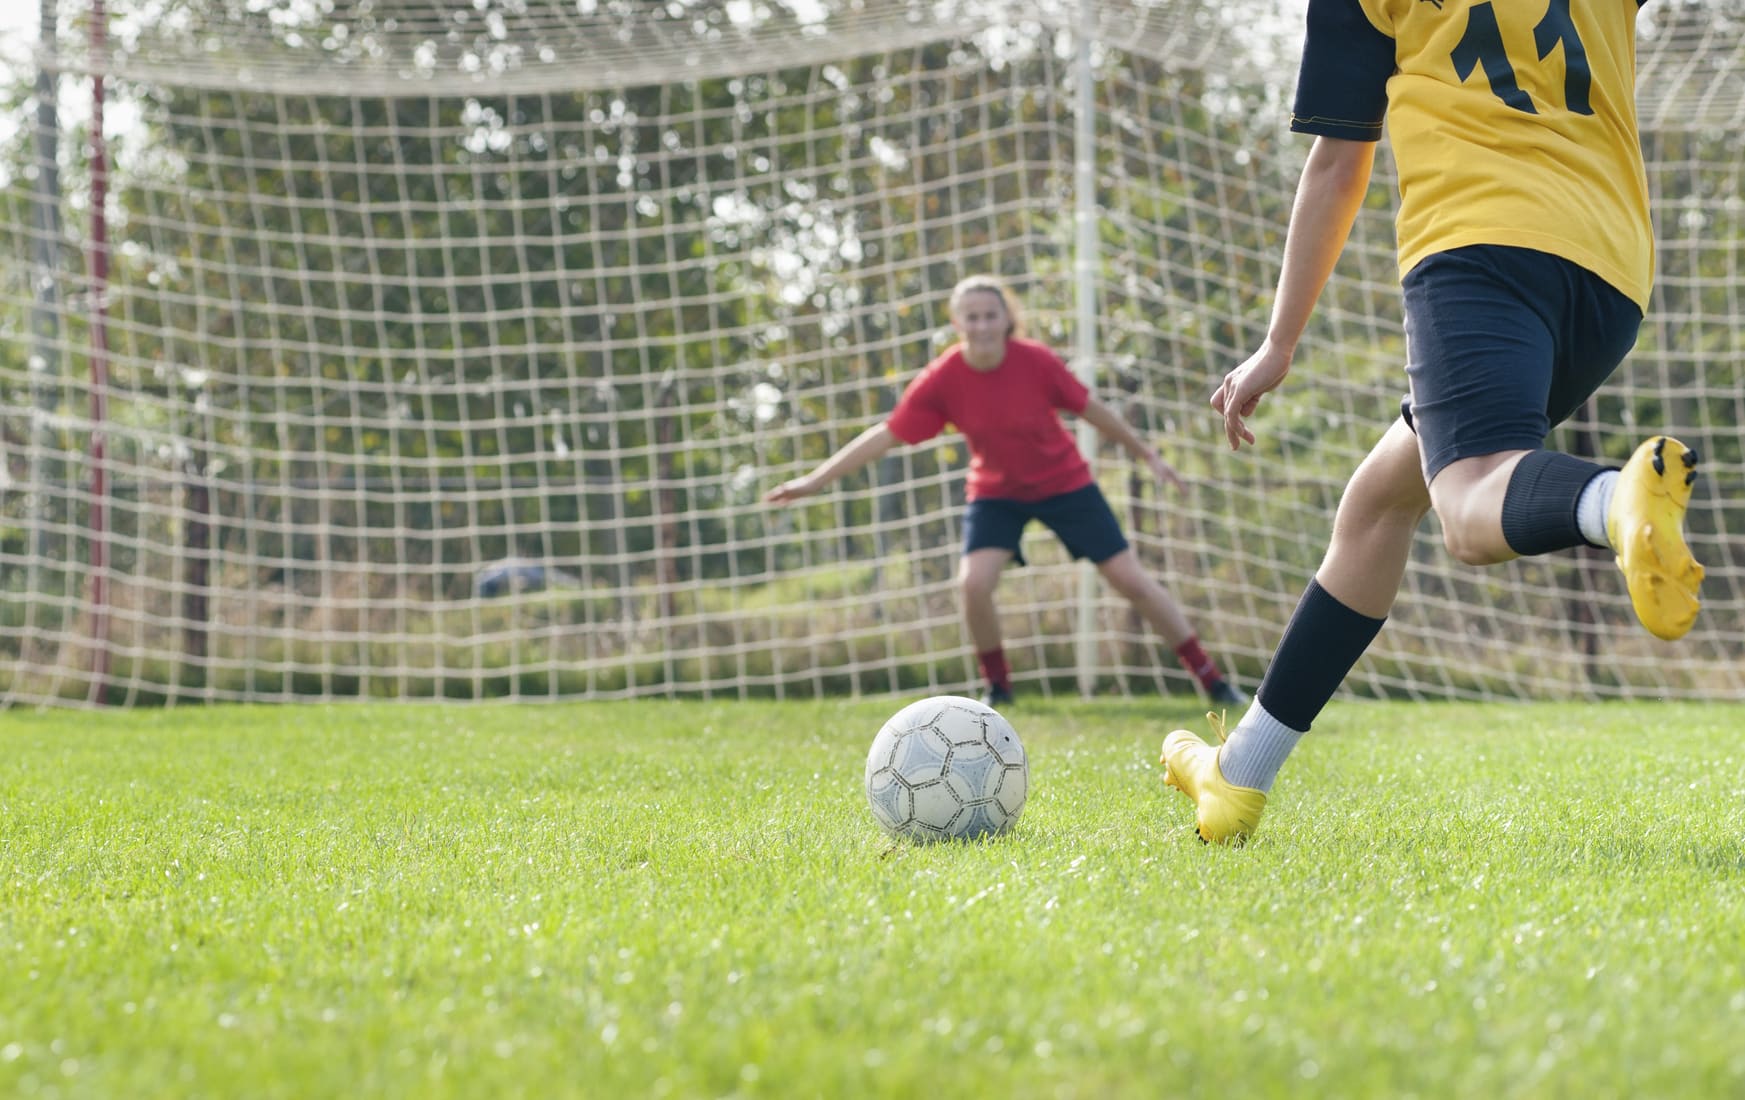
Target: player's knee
(1461, 548)
(1126, 577)
(1468, 496)
(1371, 511)
(1377, 497)
(1468, 538)
(975, 584)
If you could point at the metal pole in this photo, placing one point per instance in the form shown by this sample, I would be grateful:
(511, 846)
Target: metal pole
(45, 359)
(99, 291)
(1085, 263)
(46, 469)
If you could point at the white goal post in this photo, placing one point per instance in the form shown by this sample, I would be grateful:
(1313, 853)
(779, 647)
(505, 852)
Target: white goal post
(444, 350)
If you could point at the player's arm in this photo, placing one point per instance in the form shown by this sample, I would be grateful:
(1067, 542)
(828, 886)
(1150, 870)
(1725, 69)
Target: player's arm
(1117, 430)
(866, 447)
(1342, 100)
(1332, 187)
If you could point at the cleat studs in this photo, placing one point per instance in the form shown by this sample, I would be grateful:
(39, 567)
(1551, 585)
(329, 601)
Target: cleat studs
(1690, 459)
(1659, 445)
(1690, 478)
(1659, 463)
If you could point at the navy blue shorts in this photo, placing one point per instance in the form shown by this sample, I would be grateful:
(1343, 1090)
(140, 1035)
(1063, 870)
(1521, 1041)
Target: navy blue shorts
(1081, 519)
(1502, 344)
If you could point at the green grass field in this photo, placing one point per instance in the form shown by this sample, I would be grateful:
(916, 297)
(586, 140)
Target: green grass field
(652, 899)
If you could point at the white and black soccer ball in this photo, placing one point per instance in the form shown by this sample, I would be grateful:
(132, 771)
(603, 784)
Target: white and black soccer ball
(947, 768)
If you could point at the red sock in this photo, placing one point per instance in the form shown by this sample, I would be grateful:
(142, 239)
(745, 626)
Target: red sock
(993, 664)
(1194, 659)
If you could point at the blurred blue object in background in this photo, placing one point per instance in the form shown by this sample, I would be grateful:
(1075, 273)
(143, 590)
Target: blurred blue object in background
(511, 575)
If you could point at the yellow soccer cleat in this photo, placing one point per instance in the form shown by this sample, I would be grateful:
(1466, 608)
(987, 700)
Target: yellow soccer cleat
(1224, 813)
(1646, 527)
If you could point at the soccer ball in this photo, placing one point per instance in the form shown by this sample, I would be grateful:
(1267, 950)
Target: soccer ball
(947, 768)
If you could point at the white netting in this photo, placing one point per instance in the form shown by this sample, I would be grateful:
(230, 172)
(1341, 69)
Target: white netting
(449, 349)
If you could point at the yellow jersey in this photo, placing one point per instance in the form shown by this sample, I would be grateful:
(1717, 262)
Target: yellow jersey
(1513, 122)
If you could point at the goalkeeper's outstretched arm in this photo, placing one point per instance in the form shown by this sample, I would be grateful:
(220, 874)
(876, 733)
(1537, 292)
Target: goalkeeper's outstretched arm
(1117, 430)
(866, 447)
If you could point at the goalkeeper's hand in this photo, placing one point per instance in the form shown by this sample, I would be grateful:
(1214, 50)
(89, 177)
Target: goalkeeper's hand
(789, 491)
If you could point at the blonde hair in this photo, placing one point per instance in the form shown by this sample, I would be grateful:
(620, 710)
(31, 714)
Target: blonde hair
(992, 284)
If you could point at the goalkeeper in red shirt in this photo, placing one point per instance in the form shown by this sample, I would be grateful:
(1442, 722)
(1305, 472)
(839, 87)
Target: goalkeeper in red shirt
(1003, 393)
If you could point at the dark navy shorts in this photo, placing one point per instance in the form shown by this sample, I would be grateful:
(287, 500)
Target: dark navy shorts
(1082, 519)
(1502, 344)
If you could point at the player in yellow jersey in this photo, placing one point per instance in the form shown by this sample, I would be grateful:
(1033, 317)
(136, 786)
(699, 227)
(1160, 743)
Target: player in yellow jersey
(1526, 256)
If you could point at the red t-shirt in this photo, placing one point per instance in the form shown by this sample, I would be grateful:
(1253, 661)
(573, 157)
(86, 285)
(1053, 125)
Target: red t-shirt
(1019, 449)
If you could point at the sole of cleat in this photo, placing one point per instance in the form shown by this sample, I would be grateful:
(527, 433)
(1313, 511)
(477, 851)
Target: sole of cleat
(1647, 529)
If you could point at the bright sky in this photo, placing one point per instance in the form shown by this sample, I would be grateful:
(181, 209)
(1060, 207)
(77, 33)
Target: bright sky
(18, 20)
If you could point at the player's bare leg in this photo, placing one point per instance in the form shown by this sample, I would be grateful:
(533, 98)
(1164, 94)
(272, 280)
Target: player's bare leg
(1152, 600)
(1468, 497)
(978, 575)
(1159, 608)
(1638, 512)
(1353, 591)
(1379, 514)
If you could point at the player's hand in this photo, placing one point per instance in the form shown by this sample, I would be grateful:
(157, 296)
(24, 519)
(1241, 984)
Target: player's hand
(789, 491)
(1239, 394)
(1164, 472)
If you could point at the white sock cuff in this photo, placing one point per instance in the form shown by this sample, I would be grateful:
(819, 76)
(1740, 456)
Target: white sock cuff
(1592, 507)
(1256, 749)
(1260, 720)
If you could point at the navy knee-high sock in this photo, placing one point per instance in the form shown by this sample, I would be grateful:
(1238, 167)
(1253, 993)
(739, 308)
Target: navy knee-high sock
(1322, 642)
(1539, 505)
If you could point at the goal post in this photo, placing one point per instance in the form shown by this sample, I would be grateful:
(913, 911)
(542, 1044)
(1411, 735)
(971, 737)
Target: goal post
(451, 348)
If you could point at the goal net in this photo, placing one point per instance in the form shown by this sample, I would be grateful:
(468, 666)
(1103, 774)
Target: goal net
(418, 349)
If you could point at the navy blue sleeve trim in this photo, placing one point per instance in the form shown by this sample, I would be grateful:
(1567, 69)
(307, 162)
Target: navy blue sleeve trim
(1342, 85)
(1337, 128)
